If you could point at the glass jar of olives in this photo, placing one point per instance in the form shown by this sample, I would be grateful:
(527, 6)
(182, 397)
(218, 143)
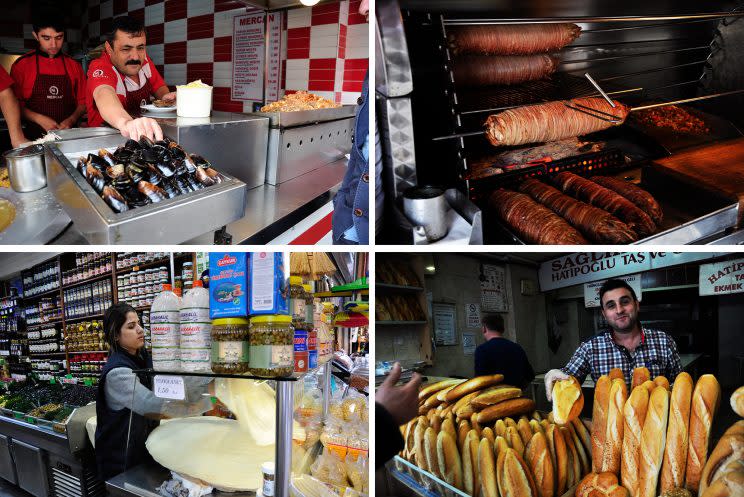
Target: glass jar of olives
(271, 346)
(230, 345)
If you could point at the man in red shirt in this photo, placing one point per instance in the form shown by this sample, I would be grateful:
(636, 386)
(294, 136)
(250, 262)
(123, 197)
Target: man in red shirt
(122, 79)
(11, 110)
(49, 84)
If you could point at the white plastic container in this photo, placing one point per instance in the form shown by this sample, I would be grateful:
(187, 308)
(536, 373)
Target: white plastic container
(193, 101)
(195, 330)
(165, 330)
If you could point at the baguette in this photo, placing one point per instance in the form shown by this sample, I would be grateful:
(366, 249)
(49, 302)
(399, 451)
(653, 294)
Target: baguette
(430, 452)
(450, 464)
(463, 402)
(473, 385)
(584, 461)
(428, 390)
(514, 440)
(500, 427)
(600, 485)
(640, 375)
(558, 453)
(653, 440)
(513, 476)
(442, 394)
(487, 469)
(436, 423)
(475, 424)
(574, 473)
(525, 430)
(568, 400)
(463, 428)
(511, 407)
(469, 454)
(494, 396)
(649, 385)
(419, 450)
(730, 484)
(661, 381)
(449, 426)
(737, 401)
(499, 446)
(536, 416)
(488, 433)
(599, 420)
(675, 452)
(536, 426)
(510, 422)
(613, 442)
(616, 373)
(634, 415)
(705, 400)
(537, 457)
(583, 433)
(410, 440)
(430, 402)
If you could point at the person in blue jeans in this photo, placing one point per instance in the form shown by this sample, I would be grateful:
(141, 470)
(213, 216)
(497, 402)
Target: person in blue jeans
(351, 204)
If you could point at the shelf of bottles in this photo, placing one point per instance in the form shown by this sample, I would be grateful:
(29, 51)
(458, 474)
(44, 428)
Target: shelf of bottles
(87, 266)
(41, 279)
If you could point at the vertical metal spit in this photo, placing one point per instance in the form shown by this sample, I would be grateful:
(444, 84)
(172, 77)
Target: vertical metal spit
(283, 458)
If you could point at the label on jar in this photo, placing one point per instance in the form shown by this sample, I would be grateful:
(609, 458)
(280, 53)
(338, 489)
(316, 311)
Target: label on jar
(300, 341)
(164, 353)
(231, 352)
(268, 487)
(301, 362)
(312, 359)
(164, 328)
(271, 356)
(262, 282)
(195, 359)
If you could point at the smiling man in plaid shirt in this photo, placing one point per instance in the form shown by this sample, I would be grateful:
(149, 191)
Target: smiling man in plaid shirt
(626, 345)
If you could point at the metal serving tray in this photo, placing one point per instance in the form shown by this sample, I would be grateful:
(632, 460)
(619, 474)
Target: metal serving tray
(303, 117)
(170, 221)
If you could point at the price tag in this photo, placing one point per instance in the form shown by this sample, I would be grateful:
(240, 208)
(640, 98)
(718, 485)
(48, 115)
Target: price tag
(169, 387)
(69, 381)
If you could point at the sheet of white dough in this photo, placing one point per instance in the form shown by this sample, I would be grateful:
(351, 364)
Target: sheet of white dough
(211, 449)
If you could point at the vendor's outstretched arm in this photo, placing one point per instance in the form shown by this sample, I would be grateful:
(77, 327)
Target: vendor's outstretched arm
(114, 113)
(12, 113)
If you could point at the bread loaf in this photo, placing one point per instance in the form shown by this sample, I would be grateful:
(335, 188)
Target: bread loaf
(494, 396)
(584, 436)
(649, 385)
(429, 390)
(728, 455)
(473, 385)
(463, 428)
(442, 394)
(613, 443)
(600, 485)
(475, 424)
(653, 440)
(737, 401)
(488, 433)
(430, 452)
(510, 422)
(487, 469)
(419, 450)
(513, 477)
(430, 402)
(469, 454)
(568, 400)
(640, 375)
(436, 423)
(584, 461)
(450, 465)
(536, 416)
(730, 484)
(634, 416)
(462, 403)
(514, 440)
(537, 457)
(525, 430)
(675, 452)
(705, 400)
(511, 407)
(599, 420)
(574, 472)
(449, 427)
(499, 428)
(557, 446)
(661, 381)
(499, 445)
(616, 373)
(536, 426)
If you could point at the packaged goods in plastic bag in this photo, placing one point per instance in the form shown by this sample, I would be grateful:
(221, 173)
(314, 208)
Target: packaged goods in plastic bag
(329, 468)
(307, 486)
(310, 407)
(357, 472)
(360, 374)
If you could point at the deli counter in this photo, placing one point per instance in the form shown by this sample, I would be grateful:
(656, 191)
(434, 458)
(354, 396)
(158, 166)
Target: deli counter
(275, 170)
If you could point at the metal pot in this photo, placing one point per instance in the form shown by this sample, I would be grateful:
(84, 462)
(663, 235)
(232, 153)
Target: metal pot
(426, 206)
(26, 168)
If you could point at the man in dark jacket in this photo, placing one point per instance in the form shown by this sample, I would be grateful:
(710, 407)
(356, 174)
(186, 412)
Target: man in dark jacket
(394, 406)
(500, 355)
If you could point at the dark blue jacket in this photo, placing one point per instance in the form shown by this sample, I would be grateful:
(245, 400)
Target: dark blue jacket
(502, 356)
(351, 204)
(113, 455)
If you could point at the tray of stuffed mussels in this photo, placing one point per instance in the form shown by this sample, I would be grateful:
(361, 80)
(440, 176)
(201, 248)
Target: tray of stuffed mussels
(120, 191)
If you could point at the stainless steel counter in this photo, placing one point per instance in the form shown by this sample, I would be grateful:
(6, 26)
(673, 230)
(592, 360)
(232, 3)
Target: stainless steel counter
(142, 480)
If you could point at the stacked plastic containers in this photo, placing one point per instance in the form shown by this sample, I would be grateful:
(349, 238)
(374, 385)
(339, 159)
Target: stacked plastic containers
(164, 330)
(195, 330)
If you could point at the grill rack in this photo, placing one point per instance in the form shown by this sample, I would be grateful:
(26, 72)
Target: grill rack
(586, 164)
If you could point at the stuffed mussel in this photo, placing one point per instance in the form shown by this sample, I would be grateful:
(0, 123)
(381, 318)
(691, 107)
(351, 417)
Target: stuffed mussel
(143, 172)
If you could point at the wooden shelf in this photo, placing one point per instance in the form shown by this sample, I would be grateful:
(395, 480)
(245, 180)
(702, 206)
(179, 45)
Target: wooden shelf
(44, 294)
(45, 354)
(100, 277)
(146, 265)
(84, 318)
(88, 352)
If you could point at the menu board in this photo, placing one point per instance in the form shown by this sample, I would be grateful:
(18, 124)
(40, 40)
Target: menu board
(444, 324)
(493, 289)
(249, 48)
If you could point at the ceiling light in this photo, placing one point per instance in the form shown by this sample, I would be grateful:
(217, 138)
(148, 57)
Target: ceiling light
(309, 3)
(431, 269)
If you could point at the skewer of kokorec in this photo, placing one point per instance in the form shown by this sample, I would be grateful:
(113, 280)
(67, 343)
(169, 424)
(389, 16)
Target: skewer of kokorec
(511, 39)
(640, 197)
(596, 224)
(553, 121)
(601, 197)
(502, 69)
(532, 221)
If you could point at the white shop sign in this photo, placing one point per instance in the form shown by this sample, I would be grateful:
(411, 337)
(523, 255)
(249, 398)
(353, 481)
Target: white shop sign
(585, 267)
(591, 290)
(248, 53)
(721, 278)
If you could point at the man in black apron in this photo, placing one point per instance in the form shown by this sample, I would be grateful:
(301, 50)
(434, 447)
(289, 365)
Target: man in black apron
(122, 79)
(48, 83)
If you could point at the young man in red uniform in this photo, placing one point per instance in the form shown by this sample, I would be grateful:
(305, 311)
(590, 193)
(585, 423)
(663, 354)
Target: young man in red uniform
(122, 79)
(11, 110)
(49, 84)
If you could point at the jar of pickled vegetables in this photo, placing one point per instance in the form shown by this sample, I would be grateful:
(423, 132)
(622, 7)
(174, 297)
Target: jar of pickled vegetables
(230, 349)
(272, 346)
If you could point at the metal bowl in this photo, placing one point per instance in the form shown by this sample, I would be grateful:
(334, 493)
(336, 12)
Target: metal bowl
(26, 168)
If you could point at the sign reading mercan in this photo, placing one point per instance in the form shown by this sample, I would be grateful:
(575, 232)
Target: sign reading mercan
(585, 267)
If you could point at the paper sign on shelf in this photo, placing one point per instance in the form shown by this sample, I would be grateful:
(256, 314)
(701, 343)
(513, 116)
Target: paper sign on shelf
(169, 387)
